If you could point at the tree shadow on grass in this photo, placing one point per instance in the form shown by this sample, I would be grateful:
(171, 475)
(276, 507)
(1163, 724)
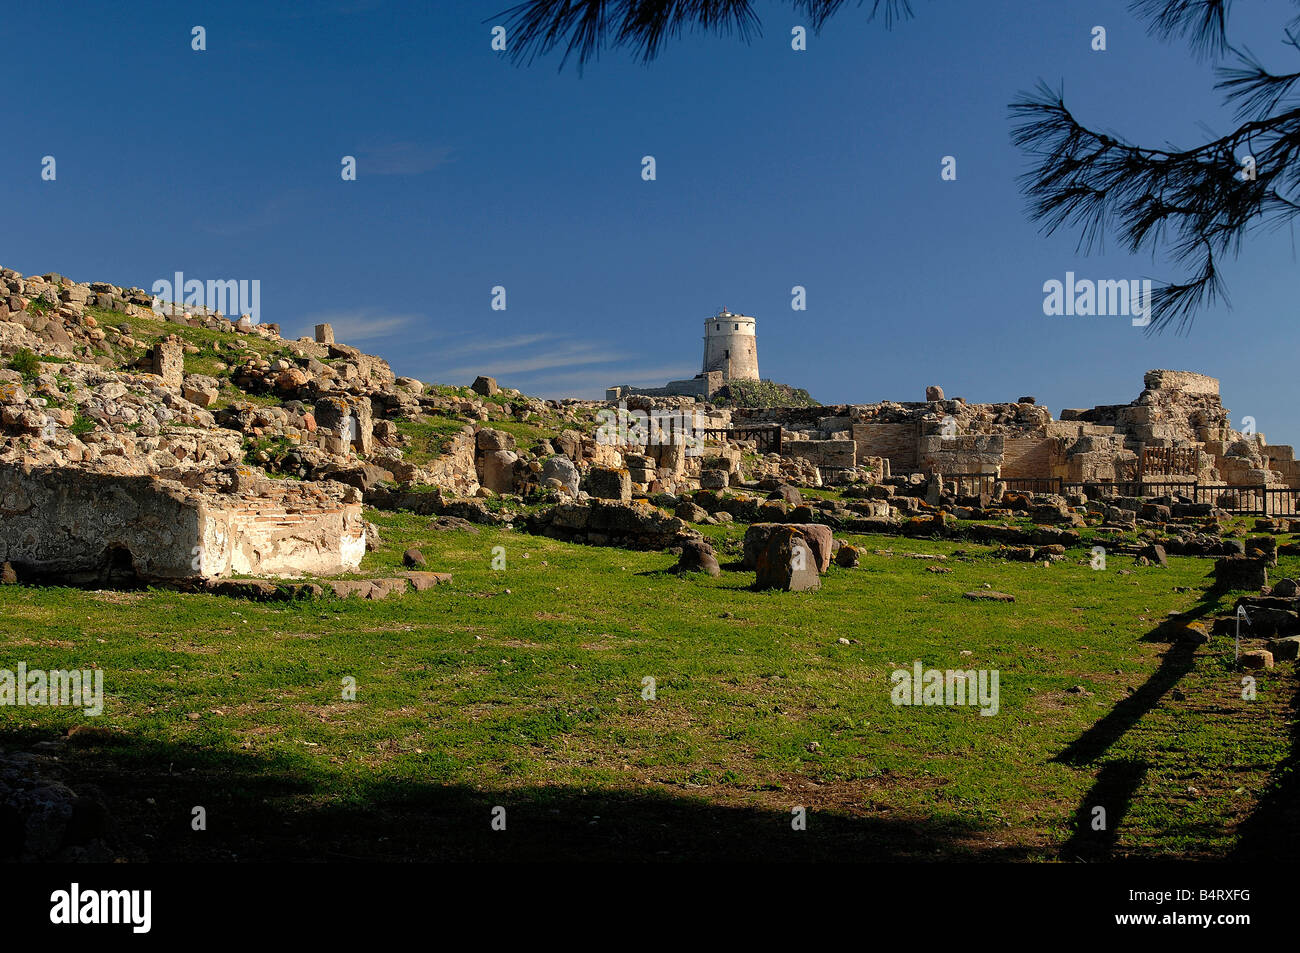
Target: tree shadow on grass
(1174, 664)
(1118, 781)
(1095, 831)
(1273, 828)
(279, 808)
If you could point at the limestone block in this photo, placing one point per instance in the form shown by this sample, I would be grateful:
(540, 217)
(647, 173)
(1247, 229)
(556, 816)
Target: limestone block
(169, 362)
(561, 468)
(497, 470)
(787, 563)
(609, 483)
(489, 439)
(714, 479)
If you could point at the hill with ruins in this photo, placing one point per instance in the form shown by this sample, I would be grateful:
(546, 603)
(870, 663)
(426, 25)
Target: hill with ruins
(169, 443)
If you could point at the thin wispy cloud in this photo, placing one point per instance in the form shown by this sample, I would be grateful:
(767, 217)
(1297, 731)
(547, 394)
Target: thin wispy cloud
(562, 368)
(498, 344)
(571, 355)
(401, 158)
(362, 325)
(591, 384)
(271, 212)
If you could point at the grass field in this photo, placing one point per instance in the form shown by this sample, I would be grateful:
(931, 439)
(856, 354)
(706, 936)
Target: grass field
(523, 688)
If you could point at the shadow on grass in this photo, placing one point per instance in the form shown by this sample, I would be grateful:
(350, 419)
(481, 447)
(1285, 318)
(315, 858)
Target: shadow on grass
(262, 808)
(1116, 783)
(1273, 829)
(1174, 664)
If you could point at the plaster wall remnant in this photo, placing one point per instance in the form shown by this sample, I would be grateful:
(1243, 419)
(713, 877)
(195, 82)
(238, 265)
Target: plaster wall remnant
(78, 525)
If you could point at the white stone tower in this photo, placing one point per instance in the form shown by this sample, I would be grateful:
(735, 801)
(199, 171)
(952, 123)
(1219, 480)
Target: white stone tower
(730, 346)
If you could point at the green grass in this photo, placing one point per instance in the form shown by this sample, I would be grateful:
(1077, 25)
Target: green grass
(148, 331)
(523, 686)
(26, 363)
(429, 437)
(81, 424)
(527, 433)
(763, 393)
(468, 393)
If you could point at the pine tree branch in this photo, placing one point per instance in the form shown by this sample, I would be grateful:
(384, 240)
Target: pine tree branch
(583, 28)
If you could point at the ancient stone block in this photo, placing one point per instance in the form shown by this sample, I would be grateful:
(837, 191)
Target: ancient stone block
(427, 580)
(1241, 572)
(698, 556)
(787, 493)
(489, 439)
(819, 539)
(714, 479)
(669, 457)
(1155, 512)
(1264, 547)
(80, 525)
(496, 470)
(345, 424)
(833, 454)
(988, 595)
(201, 390)
(169, 362)
(563, 470)
(691, 513)
(607, 483)
(1285, 650)
(364, 477)
(787, 563)
(570, 516)
(1155, 553)
(1257, 659)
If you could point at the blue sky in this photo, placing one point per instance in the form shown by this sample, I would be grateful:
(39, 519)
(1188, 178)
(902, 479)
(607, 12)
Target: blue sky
(775, 168)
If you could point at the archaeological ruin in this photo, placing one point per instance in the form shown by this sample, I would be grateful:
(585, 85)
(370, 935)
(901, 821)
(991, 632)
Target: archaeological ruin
(172, 445)
(1175, 431)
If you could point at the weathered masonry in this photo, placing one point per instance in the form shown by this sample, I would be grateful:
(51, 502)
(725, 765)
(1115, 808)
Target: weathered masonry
(82, 526)
(1177, 429)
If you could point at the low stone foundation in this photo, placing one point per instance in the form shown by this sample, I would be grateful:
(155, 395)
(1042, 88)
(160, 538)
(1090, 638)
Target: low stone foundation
(80, 526)
(611, 523)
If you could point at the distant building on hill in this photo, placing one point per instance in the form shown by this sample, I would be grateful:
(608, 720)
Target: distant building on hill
(730, 354)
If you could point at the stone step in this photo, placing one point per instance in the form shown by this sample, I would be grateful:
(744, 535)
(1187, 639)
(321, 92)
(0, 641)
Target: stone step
(271, 590)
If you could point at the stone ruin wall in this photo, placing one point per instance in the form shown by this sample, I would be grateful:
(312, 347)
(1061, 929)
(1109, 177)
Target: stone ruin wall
(66, 522)
(161, 443)
(83, 525)
(702, 386)
(255, 537)
(156, 437)
(895, 442)
(1176, 410)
